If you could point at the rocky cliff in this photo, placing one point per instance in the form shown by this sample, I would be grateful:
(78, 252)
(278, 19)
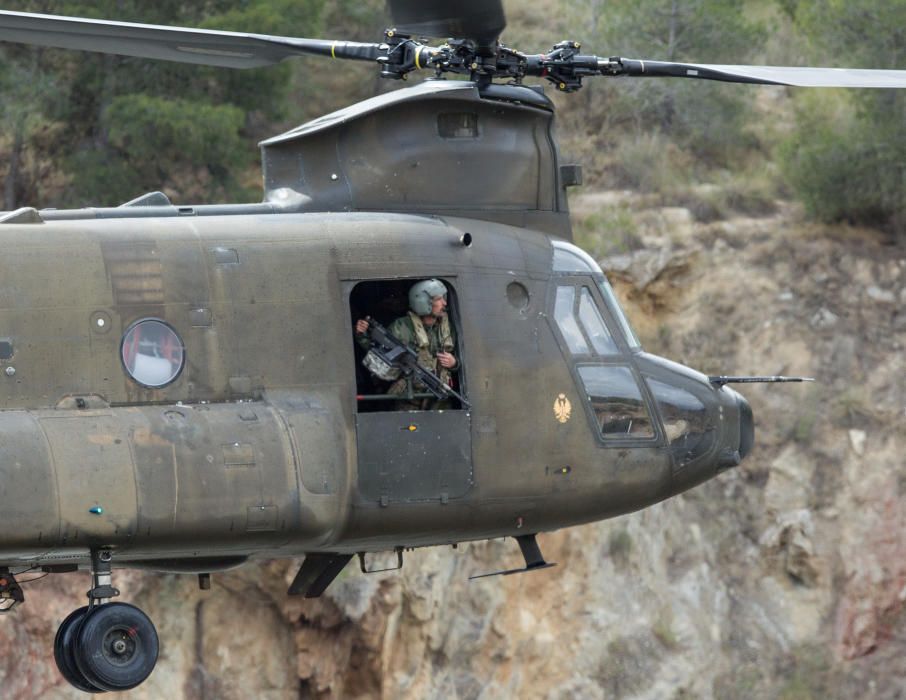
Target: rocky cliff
(783, 578)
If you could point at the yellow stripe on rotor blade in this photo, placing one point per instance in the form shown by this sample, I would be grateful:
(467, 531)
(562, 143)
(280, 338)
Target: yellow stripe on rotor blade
(333, 50)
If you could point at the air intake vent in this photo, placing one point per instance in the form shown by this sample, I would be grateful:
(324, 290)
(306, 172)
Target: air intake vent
(135, 273)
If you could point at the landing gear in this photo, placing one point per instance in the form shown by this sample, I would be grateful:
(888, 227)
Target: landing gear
(117, 647)
(64, 652)
(105, 646)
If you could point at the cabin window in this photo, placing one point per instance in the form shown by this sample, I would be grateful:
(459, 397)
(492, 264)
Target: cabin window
(152, 352)
(381, 388)
(617, 402)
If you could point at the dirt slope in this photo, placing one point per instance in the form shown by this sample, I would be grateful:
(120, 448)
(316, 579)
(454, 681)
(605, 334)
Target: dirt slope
(783, 578)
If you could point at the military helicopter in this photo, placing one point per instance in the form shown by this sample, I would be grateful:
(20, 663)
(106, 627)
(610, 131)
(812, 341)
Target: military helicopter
(189, 396)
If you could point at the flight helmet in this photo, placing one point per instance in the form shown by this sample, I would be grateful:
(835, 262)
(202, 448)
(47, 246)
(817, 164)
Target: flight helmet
(423, 293)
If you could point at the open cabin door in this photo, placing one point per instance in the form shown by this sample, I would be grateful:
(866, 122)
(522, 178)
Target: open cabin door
(411, 446)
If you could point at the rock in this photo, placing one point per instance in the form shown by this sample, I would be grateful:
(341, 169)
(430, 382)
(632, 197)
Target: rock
(790, 540)
(857, 440)
(764, 582)
(824, 318)
(881, 295)
(643, 267)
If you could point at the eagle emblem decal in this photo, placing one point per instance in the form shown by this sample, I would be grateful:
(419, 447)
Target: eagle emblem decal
(562, 408)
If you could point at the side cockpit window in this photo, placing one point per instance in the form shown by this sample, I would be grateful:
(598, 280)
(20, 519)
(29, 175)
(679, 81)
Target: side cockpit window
(616, 311)
(564, 313)
(617, 401)
(581, 324)
(571, 260)
(598, 343)
(594, 325)
(688, 431)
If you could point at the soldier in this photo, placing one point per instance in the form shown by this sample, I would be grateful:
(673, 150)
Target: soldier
(426, 328)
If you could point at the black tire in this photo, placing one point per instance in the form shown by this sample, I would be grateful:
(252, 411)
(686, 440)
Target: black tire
(117, 647)
(64, 652)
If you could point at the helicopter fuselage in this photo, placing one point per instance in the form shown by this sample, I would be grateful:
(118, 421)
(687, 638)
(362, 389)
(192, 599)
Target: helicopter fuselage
(261, 445)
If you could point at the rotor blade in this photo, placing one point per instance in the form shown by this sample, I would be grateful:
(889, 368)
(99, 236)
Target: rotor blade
(200, 46)
(482, 20)
(767, 75)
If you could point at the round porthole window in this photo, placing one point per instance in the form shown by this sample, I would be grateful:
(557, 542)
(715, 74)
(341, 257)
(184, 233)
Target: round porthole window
(152, 353)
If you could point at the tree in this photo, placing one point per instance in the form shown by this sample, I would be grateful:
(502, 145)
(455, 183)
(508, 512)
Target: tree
(705, 119)
(136, 125)
(852, 168)
(27, 95)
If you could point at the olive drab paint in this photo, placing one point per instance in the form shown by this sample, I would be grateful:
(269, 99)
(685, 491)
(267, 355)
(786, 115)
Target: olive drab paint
(253, 442)
(257, 447)
(180, 388)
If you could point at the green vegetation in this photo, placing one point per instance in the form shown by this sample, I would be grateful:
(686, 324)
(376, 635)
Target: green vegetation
(810, 676)
(847, 157)
(80, 128)
(608, 231)
(118, 126)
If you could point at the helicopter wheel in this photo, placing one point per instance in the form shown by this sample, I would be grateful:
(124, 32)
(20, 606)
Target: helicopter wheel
(116, 648)
(64, 651)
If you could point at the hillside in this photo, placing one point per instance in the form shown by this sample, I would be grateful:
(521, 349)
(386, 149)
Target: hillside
(783, 578)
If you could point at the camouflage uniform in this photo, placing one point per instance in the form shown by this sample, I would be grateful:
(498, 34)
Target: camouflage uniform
(427, 341)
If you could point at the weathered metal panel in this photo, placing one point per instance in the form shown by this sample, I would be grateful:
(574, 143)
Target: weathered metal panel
(319, 430)
(96, 475)
(30, 500)
(414, 455)
(438, 147)
(214, 471)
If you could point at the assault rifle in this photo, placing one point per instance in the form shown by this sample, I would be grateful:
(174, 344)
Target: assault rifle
(397, 354)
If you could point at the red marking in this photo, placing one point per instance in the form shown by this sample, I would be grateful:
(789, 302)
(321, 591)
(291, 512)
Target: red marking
(132, 632)
(3, 582)
(359, 397)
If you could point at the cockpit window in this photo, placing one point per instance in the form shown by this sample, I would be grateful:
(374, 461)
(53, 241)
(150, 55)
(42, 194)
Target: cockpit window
(571, 260)
(617, 401)
(581, 323)
(594, 325)
(685, 422)
(566, 320)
